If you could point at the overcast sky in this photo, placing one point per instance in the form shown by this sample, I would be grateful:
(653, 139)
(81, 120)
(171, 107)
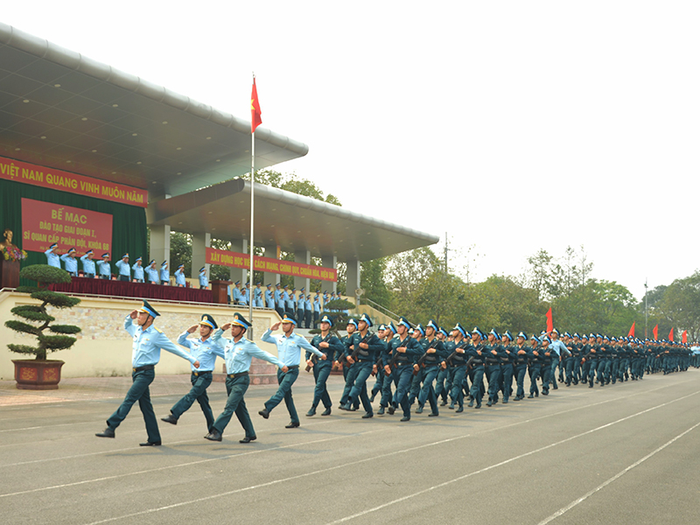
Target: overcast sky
(510, 125)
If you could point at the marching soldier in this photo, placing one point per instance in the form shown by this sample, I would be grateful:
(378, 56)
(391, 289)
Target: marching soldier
(238, 353)
(330, 345)
(205, 350)
(404, 352)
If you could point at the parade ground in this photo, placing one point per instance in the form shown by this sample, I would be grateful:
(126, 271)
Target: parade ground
(626, 453)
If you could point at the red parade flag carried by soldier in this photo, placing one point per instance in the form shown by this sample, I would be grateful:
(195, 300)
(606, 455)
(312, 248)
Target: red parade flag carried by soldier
(684, 337)
(670, 335)
(655, 331)
(550, 324)
(631, 334)
(255, 111)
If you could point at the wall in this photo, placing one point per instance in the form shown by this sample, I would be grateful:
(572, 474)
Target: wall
(104, 347)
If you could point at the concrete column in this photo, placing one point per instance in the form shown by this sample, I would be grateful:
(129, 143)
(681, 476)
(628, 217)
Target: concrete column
(200, 242)
(271, 278)
(302, 257)
(239, 274)
(160, 244)
(353, 276)
(329, 261)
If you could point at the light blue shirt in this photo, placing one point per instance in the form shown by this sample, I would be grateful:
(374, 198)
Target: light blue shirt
(124, 268)
(164, 275)
(269, 299)
(317, 304)
(204, 351)
(243, 299)
(239, 355)
(257, 294)
(138, 271)
(53, 259)
(148, 343)
(152, 274)
(289, 348)
(203, 279)
(559, 348)
(71, 263)
(88, 265)
(180, 277)
(105, 268)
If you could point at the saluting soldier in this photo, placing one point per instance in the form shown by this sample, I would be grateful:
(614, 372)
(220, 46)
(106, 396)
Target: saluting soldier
(180, 276)
(205, 350)
(164, 274)
(70, 263)
(88, 265)
(138, 270)
(289, 347)
(238, 353)
(104, 267)
(203, 279)
(152, 272)
(124, 268)
(52, 258)
(147, 343)
(330, 345)
(269, 297)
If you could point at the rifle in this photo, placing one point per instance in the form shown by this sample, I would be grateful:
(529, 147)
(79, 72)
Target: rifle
(421, 360)
(357, 349)
(395, 354)
(314, 357)
(448, 361)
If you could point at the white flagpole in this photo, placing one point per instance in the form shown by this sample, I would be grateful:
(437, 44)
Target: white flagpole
(251, 244)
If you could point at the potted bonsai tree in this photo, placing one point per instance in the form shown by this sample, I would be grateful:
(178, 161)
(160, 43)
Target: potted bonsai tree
(41, 373)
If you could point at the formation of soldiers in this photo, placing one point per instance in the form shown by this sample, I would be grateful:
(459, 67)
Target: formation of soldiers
(413, 365)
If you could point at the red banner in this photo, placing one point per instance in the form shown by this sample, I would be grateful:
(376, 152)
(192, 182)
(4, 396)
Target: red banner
(45, 223)
(265, 264)
(71, 183)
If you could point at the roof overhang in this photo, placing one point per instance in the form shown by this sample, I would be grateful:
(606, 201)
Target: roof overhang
(62, 110)
(293, 222)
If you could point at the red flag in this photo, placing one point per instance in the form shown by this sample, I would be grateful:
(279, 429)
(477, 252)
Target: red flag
(255, 111)
(684, 337)
(631, 334)
(550, 324)
(670, 335)
(655, 331)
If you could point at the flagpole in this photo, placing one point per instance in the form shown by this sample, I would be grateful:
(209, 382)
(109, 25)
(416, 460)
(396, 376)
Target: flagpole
(251, 244)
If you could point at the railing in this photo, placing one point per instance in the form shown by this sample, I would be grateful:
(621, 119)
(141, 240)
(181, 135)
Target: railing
(380, 308)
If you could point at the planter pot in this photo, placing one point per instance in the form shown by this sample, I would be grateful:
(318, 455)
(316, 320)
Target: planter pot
(31, 374)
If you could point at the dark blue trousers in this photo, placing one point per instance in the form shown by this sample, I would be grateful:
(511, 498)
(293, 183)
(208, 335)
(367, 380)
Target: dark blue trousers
(138, 392)
(236, 389)
(198, 393)
(285, 382)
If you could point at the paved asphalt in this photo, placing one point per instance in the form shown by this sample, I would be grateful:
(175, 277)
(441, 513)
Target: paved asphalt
(626, 453)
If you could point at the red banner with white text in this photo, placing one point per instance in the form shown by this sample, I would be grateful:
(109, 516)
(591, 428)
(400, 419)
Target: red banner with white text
(265, 264)
(46, 223)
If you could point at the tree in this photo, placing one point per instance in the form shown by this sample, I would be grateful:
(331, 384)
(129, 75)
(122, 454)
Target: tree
(39, 316)
(290, 182)
(680, 305)
(373, 281)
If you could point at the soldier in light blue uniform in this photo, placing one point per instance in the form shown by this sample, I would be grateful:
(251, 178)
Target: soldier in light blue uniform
(53, 259)
(88, 265)
(308, 311)
(104, 268)
(138, 270)
(236, 292)
(205, 350)
(269, 297)
(258, 296)
(203, 279)
(180, 276)
(245, 295)
(317, 307)
(124, 268)
(148, 341)
(70, 263)
(289, 346)
(152, 272)
(289, 307)
(238, 353)
(164, 274)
